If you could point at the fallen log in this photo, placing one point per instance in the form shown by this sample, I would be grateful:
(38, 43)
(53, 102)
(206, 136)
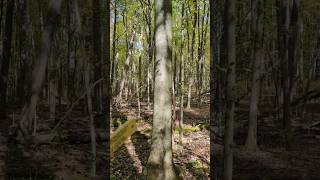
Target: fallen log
(122, 134)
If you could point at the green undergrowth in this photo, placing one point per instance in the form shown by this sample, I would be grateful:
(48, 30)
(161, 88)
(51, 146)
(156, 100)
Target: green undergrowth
(188, 129)
(195, 167)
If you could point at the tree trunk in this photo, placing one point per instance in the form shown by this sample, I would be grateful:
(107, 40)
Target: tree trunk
(213, 87)
(108, 81)
(5, 57)
(230, 23)
(23, 53)
(283, 43)
(160, 165)
(251, 141)
(52, 90)
(189, 92)
(181, 81)
(125, 71)
(114, 41)
(92, 128)
(40, 66)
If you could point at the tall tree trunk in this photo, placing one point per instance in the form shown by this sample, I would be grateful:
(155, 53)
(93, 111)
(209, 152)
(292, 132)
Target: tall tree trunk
(114, 41)
(213, 89)
(1, 15)
(52, 89)
(181, 79)
(125, 71)
(230, 23)
(160, 165)
(283, 43)
(148, 86)
(40, 66)
(96, 33)
(257, 23)
(108, 82)
(189, 92)
(23, 50)
(92, 128)
(5, 57)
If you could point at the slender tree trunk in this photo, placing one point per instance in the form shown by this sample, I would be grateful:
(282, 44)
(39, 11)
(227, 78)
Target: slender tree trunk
(23, 50)
(125, 71)
(283, 43)
(230, 23)
(96, 33)
(148, 87)
(251, 141)
(109, 79)
(213, 87)
(137, 86)
(181, 99)
(1, 15)
(189, 93)
(114, 41)
(40, 66)
(52, 90)
(181, 80)
(174, 100)
(92, 128)
(5, 57)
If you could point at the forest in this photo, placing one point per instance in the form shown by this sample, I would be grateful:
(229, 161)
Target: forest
(159, 89)
(265, 89)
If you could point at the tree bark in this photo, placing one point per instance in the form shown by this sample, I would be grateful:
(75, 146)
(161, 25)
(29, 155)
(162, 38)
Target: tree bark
(92, 128)
(257, 11)
(160, 165)
(23, 50)
(96, 33)
(5, 57)
(230, 23)
(283, 43)
(108, 81)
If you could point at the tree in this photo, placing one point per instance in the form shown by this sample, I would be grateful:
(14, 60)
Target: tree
(283, 43)
(230, 24)
(257, 30)
(40, 68)
(160, 165)
(213, 84)
(5, 57)
(108, 82)
(24, 52)
(96, 37)
(92, 126)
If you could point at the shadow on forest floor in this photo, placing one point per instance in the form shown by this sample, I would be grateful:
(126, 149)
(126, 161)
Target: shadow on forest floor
(300, 162)
(20, 165)
(66, 157)
(123, 165)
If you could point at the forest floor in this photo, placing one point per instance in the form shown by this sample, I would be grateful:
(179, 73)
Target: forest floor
(191, 159)
(274, 160)
(66, 157)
